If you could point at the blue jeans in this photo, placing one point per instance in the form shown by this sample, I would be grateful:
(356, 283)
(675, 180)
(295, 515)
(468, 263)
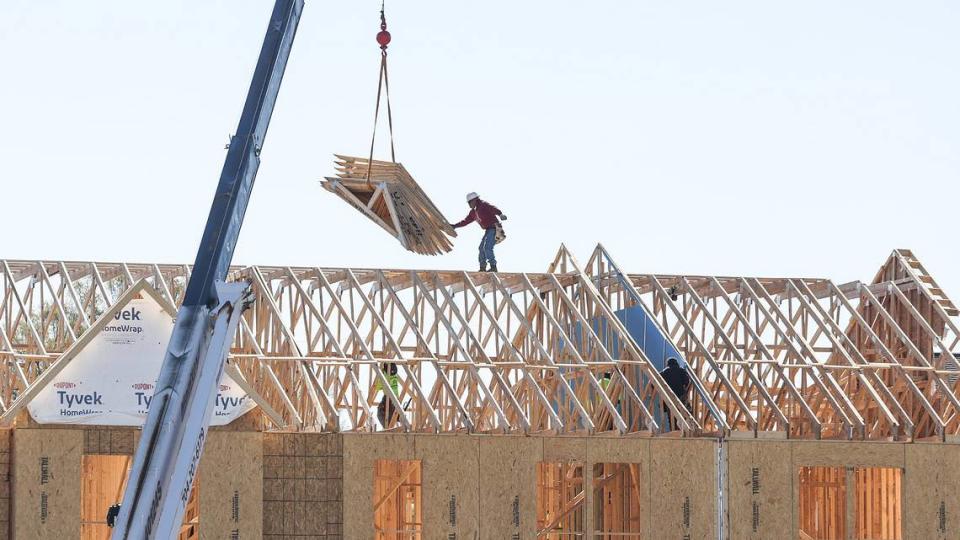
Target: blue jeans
(486, 246)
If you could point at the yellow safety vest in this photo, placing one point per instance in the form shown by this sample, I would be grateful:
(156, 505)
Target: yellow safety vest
(394, 381)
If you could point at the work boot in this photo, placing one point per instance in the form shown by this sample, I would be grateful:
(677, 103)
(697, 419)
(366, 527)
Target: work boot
(493, 267)
(483, 267)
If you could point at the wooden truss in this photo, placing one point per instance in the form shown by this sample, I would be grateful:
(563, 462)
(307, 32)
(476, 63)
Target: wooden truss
(555, 352)
(386, 193)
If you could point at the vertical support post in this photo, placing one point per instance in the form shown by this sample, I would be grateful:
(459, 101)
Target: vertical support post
(851, 494)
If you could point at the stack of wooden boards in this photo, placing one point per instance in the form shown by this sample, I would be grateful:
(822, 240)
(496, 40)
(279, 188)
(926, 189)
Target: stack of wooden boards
(391, 198)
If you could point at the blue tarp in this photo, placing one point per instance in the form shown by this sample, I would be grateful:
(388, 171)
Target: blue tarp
(645, 333)
(648, 337)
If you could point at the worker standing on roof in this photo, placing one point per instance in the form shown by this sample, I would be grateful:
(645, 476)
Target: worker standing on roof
(488, 217)
(678, 380)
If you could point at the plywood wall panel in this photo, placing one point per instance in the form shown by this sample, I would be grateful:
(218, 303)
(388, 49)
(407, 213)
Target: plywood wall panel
(847, 454)
(46, 483)
(683, 489)
(359, 453)
(931, 497)
(104, 440)
(565, 448)
(618, 450)
(450, 468)
(759, 489)
(6, 437)
(302, 485)
(231, 486)
(508, 506)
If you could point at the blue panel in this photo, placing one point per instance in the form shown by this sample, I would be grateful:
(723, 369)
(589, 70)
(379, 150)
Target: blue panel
(644, 332)
(647, 336)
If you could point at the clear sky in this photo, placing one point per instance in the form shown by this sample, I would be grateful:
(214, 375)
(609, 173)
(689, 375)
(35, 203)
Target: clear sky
(736, 138)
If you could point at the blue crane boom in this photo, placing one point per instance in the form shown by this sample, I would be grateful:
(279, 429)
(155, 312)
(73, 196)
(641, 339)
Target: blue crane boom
(166, 460)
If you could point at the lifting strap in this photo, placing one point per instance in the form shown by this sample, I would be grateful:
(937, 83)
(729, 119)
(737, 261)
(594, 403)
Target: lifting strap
(383, 88)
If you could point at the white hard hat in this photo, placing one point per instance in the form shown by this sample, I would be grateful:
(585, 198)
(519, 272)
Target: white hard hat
(472, 195)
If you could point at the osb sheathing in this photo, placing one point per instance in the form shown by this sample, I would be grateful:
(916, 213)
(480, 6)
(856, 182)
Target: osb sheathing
(122, 441)
(302, 486)
(360, 451)
(450, 466)
(489, 481)
(681, 476)
(231, 486)
(931, 491)
(229, 473)
(759, 485)
(107, 440)
(508, 485)
(683, 488)
(6, 436)
(46, 483)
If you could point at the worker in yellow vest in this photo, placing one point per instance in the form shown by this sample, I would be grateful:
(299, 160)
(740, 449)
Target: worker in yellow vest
(604, 384)
(386, 407)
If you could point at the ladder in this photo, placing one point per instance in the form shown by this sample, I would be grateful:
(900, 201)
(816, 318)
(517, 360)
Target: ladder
(937, 295)
(167, 457)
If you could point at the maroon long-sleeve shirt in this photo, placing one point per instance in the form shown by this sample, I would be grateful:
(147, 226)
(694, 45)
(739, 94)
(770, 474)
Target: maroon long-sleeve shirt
(483, 213)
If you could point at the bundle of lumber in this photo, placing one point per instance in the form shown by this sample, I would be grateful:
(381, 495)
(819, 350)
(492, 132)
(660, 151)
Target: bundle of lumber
(391, 198)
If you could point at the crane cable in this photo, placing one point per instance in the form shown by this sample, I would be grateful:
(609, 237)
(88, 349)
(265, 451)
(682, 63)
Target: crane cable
(383, 87)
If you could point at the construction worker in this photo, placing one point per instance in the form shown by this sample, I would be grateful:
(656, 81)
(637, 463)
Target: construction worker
(486, 215)
(605, 380)
(386, 407)
(112, 514)
(607, 423)
(678, 380)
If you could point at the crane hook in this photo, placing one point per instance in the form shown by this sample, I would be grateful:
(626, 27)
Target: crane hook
(383, 37)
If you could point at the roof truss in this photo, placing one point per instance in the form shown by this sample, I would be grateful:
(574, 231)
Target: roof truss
(542, 352)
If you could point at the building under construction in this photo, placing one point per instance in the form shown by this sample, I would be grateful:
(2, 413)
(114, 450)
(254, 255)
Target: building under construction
(409, 404)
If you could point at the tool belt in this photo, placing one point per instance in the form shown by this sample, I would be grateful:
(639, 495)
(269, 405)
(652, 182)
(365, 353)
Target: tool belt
(500, 235)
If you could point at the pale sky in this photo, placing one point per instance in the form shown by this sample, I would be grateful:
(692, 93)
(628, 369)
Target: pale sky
(736, 138)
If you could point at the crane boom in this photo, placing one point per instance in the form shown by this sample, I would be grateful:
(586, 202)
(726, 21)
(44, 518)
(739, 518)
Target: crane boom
(166, 460)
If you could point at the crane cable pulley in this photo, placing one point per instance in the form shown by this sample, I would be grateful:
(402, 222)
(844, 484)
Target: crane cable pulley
(383, 88)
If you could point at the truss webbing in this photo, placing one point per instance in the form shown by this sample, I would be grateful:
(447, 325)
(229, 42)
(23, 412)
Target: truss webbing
(544, 352)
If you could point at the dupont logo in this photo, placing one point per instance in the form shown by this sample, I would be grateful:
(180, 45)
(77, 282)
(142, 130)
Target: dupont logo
(65, 385)
(142, 386)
